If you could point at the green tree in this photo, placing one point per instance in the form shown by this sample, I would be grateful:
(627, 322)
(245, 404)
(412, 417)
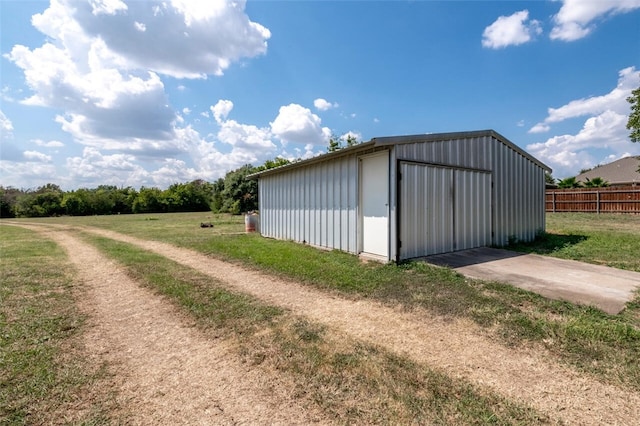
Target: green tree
(351, 140)
(217, 202)
(8, 200)
(76, 203)
(102, 199)
(596, 182)
(549, 179)
(338, 142)
(271, 164)
(334, 144)
(633, 124)
(569, 182)
(123, 200)
(149, 200)
(235, 193)
(43, 202)
(189, 197)
(240, 194)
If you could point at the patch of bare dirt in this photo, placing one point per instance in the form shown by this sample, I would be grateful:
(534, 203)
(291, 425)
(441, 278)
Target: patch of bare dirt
(157, 363)
(457, 347)
(166, 371)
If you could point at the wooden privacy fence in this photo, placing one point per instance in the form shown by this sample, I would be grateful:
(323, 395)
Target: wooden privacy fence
(594, 200)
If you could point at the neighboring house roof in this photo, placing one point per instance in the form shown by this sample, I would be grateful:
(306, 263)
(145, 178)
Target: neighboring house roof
(620, 172)
(395, 140)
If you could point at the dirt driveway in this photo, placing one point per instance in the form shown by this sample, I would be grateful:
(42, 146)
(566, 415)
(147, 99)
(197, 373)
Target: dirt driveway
(171, 374)
(606, 288)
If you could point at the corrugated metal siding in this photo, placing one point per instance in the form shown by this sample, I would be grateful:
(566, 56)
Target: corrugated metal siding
(472, 153)
(443, 209)
(315, 204)
(518, 183)
(318, 203)
(518, 196)
(472, 209)
(426, 210)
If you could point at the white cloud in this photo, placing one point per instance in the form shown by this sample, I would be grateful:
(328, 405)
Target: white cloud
(49, 144)
(612, 101)
(540, 128)
(103, 103)
(221, 110)
(95, 168)
(173, 171)
(603, 134)
(246, 136)
(99, 65)
(511, 30)
(6, 127)
(296, 123)
(33, 174)
(308, 151)
(197, 37)
(324, 105)
(6, 95)
(107, 7)
(567, 154)
(212, 164)
(91, 133)
(356, 135)
(37, 156)
(115, 169)
(576, 18)
(115, 100)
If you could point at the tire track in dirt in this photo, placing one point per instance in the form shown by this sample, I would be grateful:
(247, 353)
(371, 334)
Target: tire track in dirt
(166, 371)
(457, 347)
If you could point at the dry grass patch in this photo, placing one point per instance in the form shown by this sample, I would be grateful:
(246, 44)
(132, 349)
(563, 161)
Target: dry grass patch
(357, 383)
(45, 376)
(348, 381)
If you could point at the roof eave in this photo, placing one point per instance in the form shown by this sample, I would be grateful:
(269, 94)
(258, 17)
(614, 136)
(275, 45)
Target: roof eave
(395, 140)
(432, 137)
(317, 159)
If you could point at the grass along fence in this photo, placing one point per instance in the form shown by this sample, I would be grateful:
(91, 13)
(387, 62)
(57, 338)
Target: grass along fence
(594, 200)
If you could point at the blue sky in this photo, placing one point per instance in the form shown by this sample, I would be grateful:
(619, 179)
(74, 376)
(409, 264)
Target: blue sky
(151, 93)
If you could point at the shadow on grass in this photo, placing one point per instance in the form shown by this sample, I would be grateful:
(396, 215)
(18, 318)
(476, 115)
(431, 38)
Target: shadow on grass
(546, 243)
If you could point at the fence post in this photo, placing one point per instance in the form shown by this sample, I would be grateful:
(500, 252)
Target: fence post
(617, 200)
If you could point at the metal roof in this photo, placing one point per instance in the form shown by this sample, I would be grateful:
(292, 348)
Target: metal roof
(395, 140)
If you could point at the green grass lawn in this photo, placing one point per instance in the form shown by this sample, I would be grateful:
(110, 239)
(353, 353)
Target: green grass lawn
(605, 239)
(349, 381)
(42, 373)
(604, 345)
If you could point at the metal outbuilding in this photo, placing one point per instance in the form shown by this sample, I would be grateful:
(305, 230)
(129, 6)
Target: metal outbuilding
(396, 198)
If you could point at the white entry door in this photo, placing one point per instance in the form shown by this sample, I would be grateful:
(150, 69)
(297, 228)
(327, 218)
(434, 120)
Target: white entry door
(374, 199)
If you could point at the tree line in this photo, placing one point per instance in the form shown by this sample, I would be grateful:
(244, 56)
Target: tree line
(232, 194)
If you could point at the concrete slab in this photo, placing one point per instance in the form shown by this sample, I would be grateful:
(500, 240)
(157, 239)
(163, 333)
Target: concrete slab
(601, 286)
